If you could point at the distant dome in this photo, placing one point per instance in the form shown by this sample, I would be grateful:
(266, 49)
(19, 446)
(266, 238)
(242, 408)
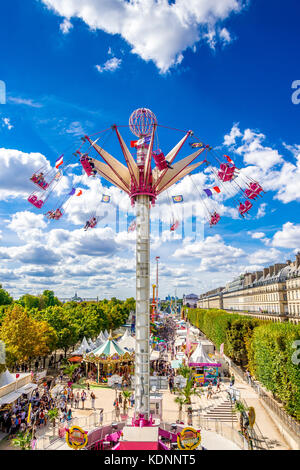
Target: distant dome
(76, 298)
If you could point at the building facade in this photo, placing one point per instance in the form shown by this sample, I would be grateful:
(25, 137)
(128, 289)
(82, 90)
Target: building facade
(190, 300)
(273, 293)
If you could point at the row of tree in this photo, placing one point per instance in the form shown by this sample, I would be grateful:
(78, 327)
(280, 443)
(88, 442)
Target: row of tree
(268, 350)
(38, 325)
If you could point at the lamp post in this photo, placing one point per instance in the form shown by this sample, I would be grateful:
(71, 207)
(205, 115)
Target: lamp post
(157, 260)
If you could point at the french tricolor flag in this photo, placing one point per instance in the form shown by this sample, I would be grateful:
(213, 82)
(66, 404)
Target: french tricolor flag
(59, 161)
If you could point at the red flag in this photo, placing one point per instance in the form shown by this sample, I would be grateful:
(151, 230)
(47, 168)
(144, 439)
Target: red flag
(217, 189)
(133, 143)
(228, 159)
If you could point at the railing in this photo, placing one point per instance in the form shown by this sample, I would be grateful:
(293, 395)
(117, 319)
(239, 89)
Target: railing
(94, 421)
(203, 423)
(291, 423)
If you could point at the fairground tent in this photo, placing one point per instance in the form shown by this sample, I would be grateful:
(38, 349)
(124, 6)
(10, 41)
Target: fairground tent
(109, 348)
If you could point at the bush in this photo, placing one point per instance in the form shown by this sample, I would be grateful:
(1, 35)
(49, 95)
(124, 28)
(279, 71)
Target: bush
(266, 348)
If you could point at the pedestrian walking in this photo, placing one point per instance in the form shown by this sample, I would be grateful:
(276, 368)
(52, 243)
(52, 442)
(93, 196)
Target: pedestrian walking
(209, 391)
(71, 397)
(77, 398)
(117, 409)
(93, 397)
(232, 380)
(83, 398)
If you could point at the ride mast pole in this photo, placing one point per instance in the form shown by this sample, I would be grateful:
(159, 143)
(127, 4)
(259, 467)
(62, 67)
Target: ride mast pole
(142, 353)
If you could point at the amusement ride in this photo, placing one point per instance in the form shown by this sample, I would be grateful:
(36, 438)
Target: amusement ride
(144, 177)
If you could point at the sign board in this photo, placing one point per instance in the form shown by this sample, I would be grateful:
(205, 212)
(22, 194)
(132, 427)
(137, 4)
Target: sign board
(199, 379)
(76, 438)
(188, 439)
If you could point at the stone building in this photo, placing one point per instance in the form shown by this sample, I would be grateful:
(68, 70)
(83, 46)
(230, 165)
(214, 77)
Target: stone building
(273, 293)
(190, 300)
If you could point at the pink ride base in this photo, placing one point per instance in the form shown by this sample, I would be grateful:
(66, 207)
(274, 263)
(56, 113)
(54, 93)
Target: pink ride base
(148, 437)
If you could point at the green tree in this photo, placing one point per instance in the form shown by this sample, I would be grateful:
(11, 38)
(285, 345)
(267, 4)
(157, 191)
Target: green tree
(5, 298)
(22, 440)
(49, 299)
(29, 301)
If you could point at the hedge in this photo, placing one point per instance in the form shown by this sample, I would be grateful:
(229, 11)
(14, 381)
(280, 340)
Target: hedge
(266, 348)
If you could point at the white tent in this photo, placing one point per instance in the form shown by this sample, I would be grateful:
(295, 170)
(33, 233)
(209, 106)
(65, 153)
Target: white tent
(127, 343)
(125, 335)
(91, 344)
(154, 356)
(83, 348)
(109, 348)
(7, 378)
(106, 334)
(199, 356)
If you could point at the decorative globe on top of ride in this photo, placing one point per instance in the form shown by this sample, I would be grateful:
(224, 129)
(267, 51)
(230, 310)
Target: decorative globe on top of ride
(141, 122)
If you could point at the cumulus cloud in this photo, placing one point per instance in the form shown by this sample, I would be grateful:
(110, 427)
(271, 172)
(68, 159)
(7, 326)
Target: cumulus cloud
(288, 236)
(110, 65)
(257, 235)
(156, 30)
(16, 169)
(262, 257)
(230, 139)
(6, 123)
(66, 26)
(27, 224)
(266, 164)
(213, 252)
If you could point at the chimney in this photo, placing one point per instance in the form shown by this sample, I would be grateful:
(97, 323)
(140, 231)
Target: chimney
(266, 271)
(278, 267)
(258, 274)
(271, 269)
(297, 260)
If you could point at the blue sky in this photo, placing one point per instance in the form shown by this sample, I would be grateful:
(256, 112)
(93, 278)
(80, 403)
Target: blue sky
(222, 68)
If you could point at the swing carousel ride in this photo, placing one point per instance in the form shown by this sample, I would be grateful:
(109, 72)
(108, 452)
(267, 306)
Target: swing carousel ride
(144, 178)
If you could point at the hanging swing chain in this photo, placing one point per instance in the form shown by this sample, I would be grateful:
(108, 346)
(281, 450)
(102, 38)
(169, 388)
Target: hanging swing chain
(171, 206)
(202, 199)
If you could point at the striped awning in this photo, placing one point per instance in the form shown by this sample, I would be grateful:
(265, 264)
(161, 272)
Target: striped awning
(109, 348)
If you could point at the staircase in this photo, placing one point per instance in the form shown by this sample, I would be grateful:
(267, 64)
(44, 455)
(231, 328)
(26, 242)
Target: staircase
(222, 412)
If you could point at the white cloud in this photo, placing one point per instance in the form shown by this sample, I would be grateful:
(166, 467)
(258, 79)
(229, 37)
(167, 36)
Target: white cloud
(16, 169)
(75, 128)
(230, 139)
(66, 26)
(156, 29)
(261, 212)
(6, 123)
(24, 101)
(225, 36)
(288, 236)
(262, 257)
(27, 225)
(110, 65)
(257, 235)
(266, 164)
(254, 153)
